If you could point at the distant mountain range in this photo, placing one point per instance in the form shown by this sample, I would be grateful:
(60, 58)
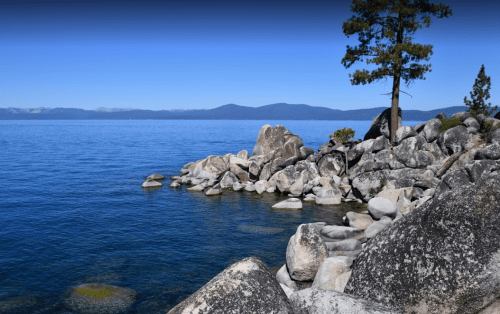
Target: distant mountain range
(227, 112)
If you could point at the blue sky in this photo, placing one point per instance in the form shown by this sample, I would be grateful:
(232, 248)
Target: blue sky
(204, 54)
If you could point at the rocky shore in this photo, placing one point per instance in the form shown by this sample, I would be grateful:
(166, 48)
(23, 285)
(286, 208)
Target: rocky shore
(429, 241)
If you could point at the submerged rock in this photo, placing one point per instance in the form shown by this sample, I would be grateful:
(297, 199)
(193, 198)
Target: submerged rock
(90, 298)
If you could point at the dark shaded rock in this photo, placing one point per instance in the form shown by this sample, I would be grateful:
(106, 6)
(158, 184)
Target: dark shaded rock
(442, 258)
(431, 129)
(480, 118)
(403, 133)
(456, 179)
(381, 125)
(453, 140)
(241, 174)
(253, 169)
(479, 168)
(419, 127)
(441, 116)
(462, 115)
(493, 137)
(244, 287)
(320, 301)
(472, 122)
(306, 152)
(489, 152)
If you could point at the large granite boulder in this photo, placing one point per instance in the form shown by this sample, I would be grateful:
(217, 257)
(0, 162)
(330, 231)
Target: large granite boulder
(431, 129)
(333, 274)
(331, 165)
(381, 125)
(453, 140)
(442, 258)
(247, 286)
(210, 168)
(462, 115)
(278, 139)
(305, 253)
(402, 133)
(489, 152)
(319, 301)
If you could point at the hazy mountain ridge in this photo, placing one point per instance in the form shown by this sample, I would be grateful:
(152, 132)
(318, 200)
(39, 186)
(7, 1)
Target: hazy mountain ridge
(279, 111)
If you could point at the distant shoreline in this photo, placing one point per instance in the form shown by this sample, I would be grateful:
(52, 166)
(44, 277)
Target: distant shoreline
(226, 112)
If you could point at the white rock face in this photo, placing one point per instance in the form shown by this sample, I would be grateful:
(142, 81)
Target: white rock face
(284, 278)
(318, 301)
(380, 206)
(260, 186)
(151, 184)
(332, 274)
(360, 221)
(196, 188)
(305, 253)
(327, 196)
(291, 203)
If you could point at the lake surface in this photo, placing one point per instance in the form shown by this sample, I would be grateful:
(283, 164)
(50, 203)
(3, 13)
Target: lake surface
(73, 210)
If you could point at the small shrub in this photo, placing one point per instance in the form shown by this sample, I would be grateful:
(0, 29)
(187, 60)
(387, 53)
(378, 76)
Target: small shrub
(449, 123)
(487, 130)
(343, 135)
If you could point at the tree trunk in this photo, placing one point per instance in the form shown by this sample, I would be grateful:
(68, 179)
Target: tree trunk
(396, 82)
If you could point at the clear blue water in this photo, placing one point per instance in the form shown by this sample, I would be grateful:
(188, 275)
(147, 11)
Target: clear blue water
(73, 210)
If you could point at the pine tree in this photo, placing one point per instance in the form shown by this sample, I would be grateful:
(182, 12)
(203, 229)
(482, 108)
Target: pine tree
(391, 25)
(480, 92)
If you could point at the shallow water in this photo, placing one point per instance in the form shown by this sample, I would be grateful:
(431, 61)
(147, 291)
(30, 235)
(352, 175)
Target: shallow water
(73, 212)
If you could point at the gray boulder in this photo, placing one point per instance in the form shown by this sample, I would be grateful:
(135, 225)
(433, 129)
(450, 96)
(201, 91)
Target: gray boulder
(215, 190)
(440, 116)
(471, 123)
(333, 274)
(228, 179)
(431, 129)
(149, 183)
(380, 207)
(347, 248)
(443, 258)
(265, 173)
(269, 139)
(489, 152)
(306, 152)
(283, 277)
(409, 152)
(156, 176)
(319, 301)
(260, 186)
(360, 221)
(291, 203)
(479, 168)
(377, 226)
(331, 165)
(243, 154)
(456, 179)
(244, 287)
(292, 147)
(453, 140)
(403, 133)
(493, 137)
(381, 125)
(340, 233)
(328, 196)
(305, 252)
(462, 115)
(284, 179)
(211, 167)
(196, 188)
(250, 187)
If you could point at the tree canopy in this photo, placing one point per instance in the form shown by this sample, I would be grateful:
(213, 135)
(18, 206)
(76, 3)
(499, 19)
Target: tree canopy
(480, 92)
(385, 31)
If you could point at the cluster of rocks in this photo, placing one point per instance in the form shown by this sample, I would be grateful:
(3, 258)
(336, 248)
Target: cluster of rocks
(429, 241)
